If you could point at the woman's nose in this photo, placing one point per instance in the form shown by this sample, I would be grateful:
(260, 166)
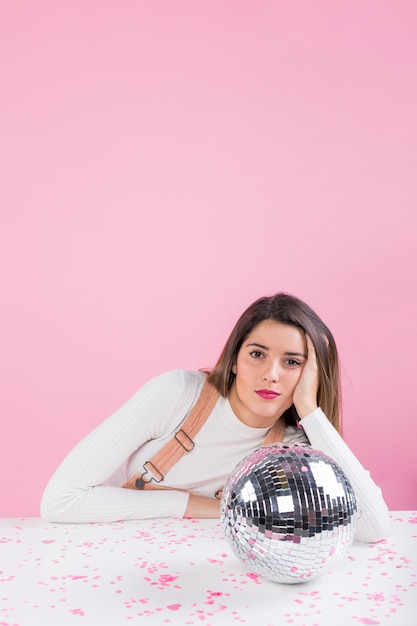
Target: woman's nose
(271, 373)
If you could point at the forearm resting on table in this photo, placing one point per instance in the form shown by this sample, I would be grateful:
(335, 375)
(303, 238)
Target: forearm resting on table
(201, 507)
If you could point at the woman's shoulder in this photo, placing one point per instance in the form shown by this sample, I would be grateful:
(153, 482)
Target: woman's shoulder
(172, 386)
(178, 378)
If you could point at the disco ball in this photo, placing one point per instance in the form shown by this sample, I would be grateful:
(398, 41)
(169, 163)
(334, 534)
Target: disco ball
(288, 513)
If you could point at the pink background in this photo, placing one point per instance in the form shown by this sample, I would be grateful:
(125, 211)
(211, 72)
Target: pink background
(165, 163)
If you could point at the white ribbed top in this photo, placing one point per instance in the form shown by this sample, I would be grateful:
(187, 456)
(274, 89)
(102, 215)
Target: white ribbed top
(86, 486)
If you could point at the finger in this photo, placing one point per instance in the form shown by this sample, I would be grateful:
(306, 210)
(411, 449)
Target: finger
(310, 346)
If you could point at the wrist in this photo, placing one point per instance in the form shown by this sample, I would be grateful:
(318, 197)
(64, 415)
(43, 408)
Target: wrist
(305, 410)
(202, 507)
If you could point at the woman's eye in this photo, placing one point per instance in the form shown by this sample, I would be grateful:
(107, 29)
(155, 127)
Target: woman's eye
(292, 362)
(256, 354)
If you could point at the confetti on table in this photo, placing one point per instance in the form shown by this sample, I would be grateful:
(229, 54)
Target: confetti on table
(182, 572)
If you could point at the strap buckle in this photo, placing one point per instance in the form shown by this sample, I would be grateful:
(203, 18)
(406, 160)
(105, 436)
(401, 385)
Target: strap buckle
(156, 476)
(184, 440)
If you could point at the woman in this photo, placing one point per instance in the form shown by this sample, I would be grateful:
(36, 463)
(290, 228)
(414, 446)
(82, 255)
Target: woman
(277, 379)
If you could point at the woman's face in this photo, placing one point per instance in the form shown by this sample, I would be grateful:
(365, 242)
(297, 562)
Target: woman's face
(268, 367)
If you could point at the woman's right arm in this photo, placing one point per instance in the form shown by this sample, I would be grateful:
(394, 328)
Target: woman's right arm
(76, 492)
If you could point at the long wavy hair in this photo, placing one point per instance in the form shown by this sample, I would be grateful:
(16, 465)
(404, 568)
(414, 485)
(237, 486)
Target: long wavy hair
(286, 309)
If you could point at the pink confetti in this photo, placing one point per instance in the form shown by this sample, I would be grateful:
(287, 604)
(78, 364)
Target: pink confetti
(253, 577)
(77, 612)
(165, 579)
(215, 593)
(375, 597)
(380, 565)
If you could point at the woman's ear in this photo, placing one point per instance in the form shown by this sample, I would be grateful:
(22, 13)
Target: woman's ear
(234, 368)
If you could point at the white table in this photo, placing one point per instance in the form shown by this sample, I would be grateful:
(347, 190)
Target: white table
(168, 571)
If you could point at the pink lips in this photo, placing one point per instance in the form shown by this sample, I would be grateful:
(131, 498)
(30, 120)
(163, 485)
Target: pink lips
(267, 394)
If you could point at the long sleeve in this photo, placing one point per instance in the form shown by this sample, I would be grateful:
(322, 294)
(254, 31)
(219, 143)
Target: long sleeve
(373, 516)
(77, 491)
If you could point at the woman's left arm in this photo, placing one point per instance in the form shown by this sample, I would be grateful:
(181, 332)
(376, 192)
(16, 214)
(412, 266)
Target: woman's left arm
(373, 515)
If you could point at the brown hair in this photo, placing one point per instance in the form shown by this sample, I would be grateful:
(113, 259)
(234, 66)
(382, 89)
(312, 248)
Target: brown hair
(286, 309)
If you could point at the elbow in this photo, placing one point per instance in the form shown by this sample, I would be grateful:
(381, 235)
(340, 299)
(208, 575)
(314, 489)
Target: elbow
(374, 536)
(61, 507)
(373, 530)
(47, 512)
(51, 510)
(48, 516)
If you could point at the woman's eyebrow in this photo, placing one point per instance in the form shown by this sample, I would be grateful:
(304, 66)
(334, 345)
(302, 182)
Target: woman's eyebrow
(260, 345)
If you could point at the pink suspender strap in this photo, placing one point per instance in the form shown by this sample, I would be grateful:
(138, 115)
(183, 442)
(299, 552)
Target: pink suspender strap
(276, 433)
(156, 469)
